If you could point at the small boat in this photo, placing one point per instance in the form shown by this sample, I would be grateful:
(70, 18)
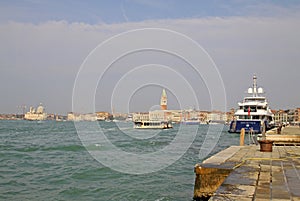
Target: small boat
(152, 124)
(253, 114)
(190, 122)
(216, 122)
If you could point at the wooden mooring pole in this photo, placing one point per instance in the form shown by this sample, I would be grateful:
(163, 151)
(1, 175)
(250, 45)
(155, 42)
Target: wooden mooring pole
(242, 137)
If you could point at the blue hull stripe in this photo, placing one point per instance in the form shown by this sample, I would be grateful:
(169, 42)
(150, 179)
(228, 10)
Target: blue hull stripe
(236, 126)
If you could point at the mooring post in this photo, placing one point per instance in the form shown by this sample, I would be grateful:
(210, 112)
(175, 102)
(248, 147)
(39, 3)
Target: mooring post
(242, 137)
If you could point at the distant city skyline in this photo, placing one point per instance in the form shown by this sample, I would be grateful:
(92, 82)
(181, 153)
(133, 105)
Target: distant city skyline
(44, 44)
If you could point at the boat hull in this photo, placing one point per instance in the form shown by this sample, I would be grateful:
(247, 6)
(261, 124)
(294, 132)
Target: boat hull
(255, 125)
(152, 125)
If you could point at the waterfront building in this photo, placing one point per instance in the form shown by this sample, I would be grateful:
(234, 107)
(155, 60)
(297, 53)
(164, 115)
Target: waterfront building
(280, 117)
(160, 115)
(70, 116)
(216, 116)
(140, 116)
(89, 117)
(297, 116)
(119, 116)
(230, 115)
(176, 115)
(81, 117)
(294, 116)
(36, 114)
(9, 117)
(157, 115)
(190, 114)
(102, 116)
(202, 116)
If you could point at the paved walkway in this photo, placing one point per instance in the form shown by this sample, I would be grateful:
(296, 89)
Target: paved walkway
(262, 175)
(288, 130)
(291, 130)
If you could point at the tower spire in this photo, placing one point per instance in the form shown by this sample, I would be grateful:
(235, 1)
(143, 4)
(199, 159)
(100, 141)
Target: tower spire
(163, 100)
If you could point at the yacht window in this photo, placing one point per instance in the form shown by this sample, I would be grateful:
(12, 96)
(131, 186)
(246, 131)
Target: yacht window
(252, 108)
(247, 117)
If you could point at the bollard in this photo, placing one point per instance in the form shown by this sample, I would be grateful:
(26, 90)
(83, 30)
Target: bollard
(242, 137)
(279, 129)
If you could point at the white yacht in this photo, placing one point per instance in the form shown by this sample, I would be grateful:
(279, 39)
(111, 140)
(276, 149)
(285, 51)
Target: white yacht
(253, 113)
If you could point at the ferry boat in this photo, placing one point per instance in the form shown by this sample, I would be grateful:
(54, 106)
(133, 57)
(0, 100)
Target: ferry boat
(152, 124)
(253, 113)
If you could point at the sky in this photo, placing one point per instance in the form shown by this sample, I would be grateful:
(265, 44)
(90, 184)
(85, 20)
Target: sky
(88, 56)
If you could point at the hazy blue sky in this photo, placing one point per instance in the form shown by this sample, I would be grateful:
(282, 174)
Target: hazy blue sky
(44, 43)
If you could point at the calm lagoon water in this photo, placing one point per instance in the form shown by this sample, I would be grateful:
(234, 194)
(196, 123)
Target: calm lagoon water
(47, 161)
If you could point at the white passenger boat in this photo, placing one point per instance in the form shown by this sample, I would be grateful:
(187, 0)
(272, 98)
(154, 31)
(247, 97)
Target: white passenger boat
(253, 113)
(153, 124)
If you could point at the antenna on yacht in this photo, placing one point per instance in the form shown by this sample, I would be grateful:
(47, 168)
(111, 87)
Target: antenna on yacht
(254, 86)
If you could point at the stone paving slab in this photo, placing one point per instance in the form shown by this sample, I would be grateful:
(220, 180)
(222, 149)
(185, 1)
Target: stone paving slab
(261, 175)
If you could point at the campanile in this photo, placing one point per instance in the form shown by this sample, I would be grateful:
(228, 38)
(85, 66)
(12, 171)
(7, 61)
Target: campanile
(163, 100)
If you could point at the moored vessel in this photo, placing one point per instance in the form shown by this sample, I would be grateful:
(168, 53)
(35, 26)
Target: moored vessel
(152, 124)
(190, 122)
(253, 114)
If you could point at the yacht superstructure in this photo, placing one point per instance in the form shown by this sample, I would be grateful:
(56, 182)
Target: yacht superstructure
(253, 113)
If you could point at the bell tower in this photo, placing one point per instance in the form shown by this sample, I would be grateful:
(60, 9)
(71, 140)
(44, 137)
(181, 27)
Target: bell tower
(163, 100)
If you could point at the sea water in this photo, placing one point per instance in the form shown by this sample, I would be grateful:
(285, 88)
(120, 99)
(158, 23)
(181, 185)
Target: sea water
(47, 161)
